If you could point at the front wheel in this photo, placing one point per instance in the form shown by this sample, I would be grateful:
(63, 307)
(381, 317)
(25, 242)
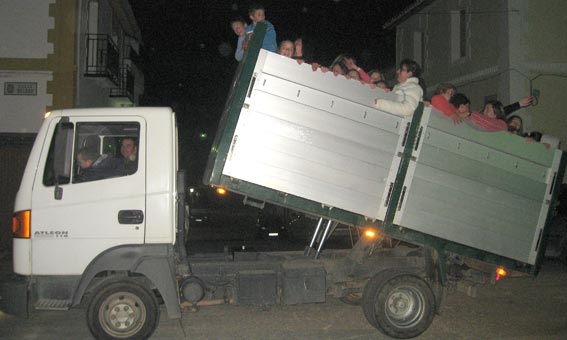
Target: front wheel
(123, 310)
(400, 305)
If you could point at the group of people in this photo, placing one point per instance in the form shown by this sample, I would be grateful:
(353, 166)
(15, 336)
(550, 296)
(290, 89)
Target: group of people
(494, 116)
(344, 64)
(240, 27)
(409, 90)
(243, 30)
(94, 166)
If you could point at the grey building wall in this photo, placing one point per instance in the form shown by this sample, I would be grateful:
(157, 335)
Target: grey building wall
(512, 48)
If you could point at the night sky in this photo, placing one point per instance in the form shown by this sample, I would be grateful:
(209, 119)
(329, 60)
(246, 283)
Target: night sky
(188, 61)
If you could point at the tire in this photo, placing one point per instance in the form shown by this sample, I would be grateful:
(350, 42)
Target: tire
(123, 310)
(400, 305)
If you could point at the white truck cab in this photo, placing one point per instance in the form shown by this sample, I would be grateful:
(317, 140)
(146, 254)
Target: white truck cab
(127, 209)
(71, 229)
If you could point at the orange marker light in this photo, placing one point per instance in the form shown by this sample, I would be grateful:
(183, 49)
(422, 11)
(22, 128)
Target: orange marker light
(500, 273)
(21, 224)
(370, 233)
(221, 191)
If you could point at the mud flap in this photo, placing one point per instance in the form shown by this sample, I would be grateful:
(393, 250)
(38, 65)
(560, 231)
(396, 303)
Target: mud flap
(14, 297)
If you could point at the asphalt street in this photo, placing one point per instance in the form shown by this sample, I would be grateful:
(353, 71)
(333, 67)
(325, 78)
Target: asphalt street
(515, 308)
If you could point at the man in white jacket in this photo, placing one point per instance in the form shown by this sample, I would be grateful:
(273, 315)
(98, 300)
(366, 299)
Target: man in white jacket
(408, 90)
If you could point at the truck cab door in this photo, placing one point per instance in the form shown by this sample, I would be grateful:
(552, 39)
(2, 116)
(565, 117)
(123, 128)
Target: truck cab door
(76, 217)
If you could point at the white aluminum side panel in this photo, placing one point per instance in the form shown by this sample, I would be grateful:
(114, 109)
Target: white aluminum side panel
(486, 198)
(545, 207)
(312, 143)
(338, 86)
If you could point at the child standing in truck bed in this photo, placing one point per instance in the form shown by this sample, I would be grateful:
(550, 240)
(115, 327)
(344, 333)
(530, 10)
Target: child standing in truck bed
(257, 14)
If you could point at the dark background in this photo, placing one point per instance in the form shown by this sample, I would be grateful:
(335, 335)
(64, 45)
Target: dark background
(187, 54)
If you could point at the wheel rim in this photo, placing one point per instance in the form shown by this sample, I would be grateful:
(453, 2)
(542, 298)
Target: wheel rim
(122, 314)
(405, 306)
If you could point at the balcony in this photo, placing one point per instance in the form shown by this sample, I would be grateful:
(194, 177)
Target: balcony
(103, 58)
(124, 94)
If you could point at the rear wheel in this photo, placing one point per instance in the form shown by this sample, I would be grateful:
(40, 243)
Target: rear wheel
(123, 310)
(400, 305)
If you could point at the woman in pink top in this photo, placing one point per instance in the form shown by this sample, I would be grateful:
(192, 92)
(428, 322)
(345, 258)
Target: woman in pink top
(440, 101)
(487, 121)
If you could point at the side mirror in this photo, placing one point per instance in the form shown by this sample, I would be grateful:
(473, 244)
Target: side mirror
(62, 158)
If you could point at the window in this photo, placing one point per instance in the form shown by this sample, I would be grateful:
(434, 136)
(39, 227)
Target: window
(93, 17)
(58, 165)
(117, 32)
(419, 48)
(105, 150)
(459, 29)
(462, 34)
(90, 151)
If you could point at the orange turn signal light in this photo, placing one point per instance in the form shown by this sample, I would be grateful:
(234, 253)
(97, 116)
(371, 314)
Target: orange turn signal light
(21, 224)
(221, 191)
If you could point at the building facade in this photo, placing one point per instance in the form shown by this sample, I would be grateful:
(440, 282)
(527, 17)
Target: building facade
(501, 50)
(57, 54)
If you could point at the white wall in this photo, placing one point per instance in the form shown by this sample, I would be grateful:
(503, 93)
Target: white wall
(23, 28)
(23, 114)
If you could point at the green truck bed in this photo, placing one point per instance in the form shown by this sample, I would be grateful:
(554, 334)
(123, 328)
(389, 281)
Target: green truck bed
(312, 141)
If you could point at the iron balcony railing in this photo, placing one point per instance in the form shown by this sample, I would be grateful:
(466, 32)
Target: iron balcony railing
(126, 84)
(103, 58)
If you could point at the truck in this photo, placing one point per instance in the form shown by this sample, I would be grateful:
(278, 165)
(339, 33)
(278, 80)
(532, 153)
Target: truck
(437, 206)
